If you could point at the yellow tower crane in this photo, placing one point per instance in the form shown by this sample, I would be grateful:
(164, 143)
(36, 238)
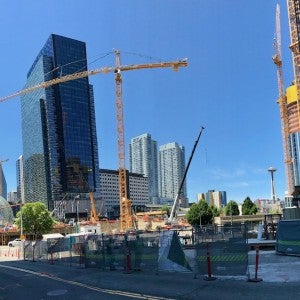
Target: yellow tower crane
(126, 216)
(282, 101)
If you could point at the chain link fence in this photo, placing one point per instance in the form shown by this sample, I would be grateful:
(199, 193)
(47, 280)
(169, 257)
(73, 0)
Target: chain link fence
(130, 252)
(225, 247)
(178, 251)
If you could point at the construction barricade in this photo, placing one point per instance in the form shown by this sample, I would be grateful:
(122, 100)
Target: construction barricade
(211, 252)
(126, 252)
(223, 253)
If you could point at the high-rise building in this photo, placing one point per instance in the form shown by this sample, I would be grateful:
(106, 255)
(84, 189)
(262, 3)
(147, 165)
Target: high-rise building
(172, 167)
(6, 212)
(144, 160)
(12, 197)
(60, 155)
(20, 180)
(292, 106)
(3, 185)
(215, 198)
(294, 133)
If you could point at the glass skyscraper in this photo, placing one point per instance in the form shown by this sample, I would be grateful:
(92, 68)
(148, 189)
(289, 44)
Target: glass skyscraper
(3, 185)
(20, 179)
(60, 152)
(143, 157)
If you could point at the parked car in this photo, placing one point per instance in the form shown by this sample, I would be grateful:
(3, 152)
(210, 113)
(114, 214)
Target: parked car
(15, 243)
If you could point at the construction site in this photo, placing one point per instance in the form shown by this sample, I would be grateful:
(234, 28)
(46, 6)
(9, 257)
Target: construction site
(288, 101)
(94, 222)
(93, 219)
(109, 234)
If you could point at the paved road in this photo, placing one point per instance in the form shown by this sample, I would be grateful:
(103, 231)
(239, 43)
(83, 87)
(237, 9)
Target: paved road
(24, 283)
(34, 280)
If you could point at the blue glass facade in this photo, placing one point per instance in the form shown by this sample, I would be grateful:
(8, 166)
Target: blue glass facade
(294, 141)
(58, 125)
(224, 198)
(3, 185)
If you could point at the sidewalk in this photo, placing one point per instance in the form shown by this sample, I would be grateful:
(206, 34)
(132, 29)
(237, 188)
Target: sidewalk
(274, 267)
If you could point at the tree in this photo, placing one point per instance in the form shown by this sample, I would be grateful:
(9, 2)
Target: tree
(36, 219)
(248, 207)
(232, 209)
(167, 209)
(199, 211)
(216, 212)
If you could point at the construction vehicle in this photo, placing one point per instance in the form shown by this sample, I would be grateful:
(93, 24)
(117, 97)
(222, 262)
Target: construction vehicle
(282, 101)
(126, 215)
(175, 204)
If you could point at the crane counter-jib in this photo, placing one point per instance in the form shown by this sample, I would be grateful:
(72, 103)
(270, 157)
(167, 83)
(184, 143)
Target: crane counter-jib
(174, 64)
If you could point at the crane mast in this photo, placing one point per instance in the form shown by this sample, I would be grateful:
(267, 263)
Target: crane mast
(282, 101)
(94, 216)
(126, 216)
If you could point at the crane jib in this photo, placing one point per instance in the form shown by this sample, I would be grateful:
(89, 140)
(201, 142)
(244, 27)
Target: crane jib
(174, 64)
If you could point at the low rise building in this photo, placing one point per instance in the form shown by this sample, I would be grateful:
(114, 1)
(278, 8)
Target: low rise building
(268, 206)
(137, 185)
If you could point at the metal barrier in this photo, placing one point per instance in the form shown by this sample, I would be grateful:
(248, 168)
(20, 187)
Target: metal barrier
(35, 250)
(203, 251)
(145, 251)
(62, 250)
(227, 250)
(130, 252)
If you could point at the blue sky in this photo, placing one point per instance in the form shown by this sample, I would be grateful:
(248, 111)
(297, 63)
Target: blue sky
(229, 87)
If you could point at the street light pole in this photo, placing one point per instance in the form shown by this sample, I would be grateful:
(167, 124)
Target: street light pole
(201, 213)
(77, 211)
(21, 225)
(200, 220)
